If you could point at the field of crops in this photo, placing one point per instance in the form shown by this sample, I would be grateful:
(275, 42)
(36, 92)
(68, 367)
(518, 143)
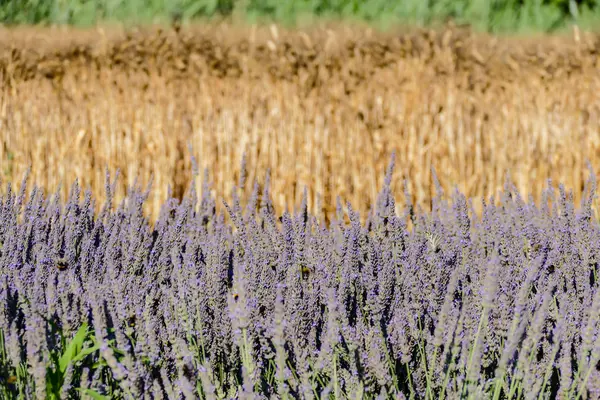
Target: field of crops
(277, 253)
(321, 109)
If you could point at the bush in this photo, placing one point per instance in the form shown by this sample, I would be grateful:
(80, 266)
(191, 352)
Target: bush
(205, 305)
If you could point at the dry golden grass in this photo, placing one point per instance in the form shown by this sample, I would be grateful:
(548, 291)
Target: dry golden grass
(322, 108)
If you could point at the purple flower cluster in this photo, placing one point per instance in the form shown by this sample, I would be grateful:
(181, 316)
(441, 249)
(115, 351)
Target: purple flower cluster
(245, 304)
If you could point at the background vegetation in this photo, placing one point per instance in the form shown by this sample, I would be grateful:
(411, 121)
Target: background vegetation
(486, 15)
(321, 109)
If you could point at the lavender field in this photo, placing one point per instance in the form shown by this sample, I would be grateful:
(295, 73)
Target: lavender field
(254, 303)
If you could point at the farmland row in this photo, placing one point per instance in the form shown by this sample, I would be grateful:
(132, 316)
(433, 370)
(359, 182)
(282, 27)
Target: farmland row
(321, 108)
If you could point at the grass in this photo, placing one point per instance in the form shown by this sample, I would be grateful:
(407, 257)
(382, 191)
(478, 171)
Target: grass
(491, 16)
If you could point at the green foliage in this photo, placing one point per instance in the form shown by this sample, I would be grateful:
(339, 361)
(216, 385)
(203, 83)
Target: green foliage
(73, 353)
(485, 15)
(94, 395)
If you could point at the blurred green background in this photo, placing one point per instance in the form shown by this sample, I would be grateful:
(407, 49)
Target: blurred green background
(496, 16)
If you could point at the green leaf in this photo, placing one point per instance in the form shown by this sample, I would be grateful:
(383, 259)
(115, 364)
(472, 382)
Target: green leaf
(93, 394)
(84, 353)
(73, 348)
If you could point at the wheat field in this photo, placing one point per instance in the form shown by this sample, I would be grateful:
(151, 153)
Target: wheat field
(321, 108)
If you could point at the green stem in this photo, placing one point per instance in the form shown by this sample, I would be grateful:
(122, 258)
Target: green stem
(470, 364)
(335, 380)
(410, 385)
